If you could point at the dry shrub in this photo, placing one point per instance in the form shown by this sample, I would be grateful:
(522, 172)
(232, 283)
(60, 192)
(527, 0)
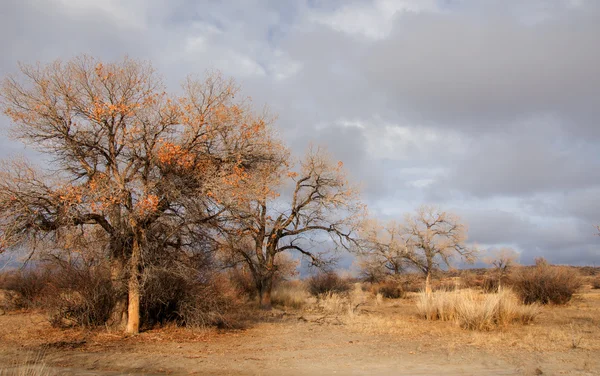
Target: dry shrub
(544, 283)
(444, 285)
(291, 294)
(185, 296)
(596, 283)
(472, 281)
(77, 294)
(327, 282)
(475, 311)
(410, 282)
(80, 294)
(242, 280)
(490, 284)
(390, 289)
(24, 288)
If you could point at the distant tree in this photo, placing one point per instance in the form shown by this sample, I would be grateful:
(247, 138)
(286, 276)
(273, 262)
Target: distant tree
(502, 260)
(322, 203)
(151, 172)
(384, 248)
(433, 238)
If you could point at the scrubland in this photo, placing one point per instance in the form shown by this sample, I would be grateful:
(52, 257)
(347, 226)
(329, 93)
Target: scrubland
(331, 325)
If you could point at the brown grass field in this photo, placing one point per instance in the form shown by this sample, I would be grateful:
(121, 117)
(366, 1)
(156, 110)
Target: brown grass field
(361, 334)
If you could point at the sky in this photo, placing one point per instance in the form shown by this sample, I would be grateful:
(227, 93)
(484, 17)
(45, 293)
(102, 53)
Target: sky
(487, 108)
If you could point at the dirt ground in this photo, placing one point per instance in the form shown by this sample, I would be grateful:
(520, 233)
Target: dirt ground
(383, 339)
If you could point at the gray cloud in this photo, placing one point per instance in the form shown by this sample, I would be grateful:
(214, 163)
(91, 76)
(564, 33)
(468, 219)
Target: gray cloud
(470, 104)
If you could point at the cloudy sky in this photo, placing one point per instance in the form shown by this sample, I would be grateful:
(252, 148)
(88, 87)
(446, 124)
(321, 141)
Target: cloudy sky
(488, 108)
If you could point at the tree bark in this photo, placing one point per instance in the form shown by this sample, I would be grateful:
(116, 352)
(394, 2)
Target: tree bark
(428, 290)
(133, 318)
(264, 293)
(119, 313)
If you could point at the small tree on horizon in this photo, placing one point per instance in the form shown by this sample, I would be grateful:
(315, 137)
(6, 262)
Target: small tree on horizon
(502, 260)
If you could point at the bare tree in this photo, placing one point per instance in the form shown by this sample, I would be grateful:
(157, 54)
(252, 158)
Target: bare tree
(151, 171)
(502, 259)
(321, 203)
(434, 237)
(383, 247)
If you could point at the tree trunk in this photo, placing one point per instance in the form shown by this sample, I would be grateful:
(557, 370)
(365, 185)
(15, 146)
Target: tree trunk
(133, 318)
(428, 290)
(118, 317)
(264, 293)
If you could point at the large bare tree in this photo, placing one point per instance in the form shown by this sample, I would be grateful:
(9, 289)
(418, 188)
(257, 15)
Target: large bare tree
(151, 171)
(322, 211)
(434, 237)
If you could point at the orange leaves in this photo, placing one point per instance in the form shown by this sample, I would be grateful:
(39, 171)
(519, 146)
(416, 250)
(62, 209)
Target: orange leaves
(147, 205)
(71, 195)
(102, 73)
(99, 69)
(101, 110)
(25, 117)
(175, 155)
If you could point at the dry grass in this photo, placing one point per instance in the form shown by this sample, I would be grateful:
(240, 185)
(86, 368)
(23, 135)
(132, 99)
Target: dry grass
(291, 294)
(33, 365)
(346, 305)
(472, 310)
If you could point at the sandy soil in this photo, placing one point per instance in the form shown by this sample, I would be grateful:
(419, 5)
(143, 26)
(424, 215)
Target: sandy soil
(385, 339)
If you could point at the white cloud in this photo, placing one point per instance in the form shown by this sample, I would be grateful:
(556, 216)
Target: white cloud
(371, 20)
(127, 14)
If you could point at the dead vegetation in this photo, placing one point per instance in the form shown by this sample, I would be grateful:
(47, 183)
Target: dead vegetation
(474, 310)
(544, 283)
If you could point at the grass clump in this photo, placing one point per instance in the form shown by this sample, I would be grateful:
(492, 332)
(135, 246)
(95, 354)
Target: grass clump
(290, 294)
(476, 311)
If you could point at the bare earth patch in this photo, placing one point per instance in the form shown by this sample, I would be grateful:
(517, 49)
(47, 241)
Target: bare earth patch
(382, 339)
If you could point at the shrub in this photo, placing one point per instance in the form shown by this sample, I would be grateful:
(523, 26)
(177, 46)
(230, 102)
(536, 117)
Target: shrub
(24, 288)
(596, 283)
(490, 284)
(444, 285)
(411, 282)
(545, 283)
(80, 294)
(327, 282)
(476, 311)
(472, 281)
(391, 290)
(183, 295)
(242, 280)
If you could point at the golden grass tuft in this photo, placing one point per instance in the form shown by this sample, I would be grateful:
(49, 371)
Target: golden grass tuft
(346, 304)
(476, 311)
(32, 366)
(291, 294)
